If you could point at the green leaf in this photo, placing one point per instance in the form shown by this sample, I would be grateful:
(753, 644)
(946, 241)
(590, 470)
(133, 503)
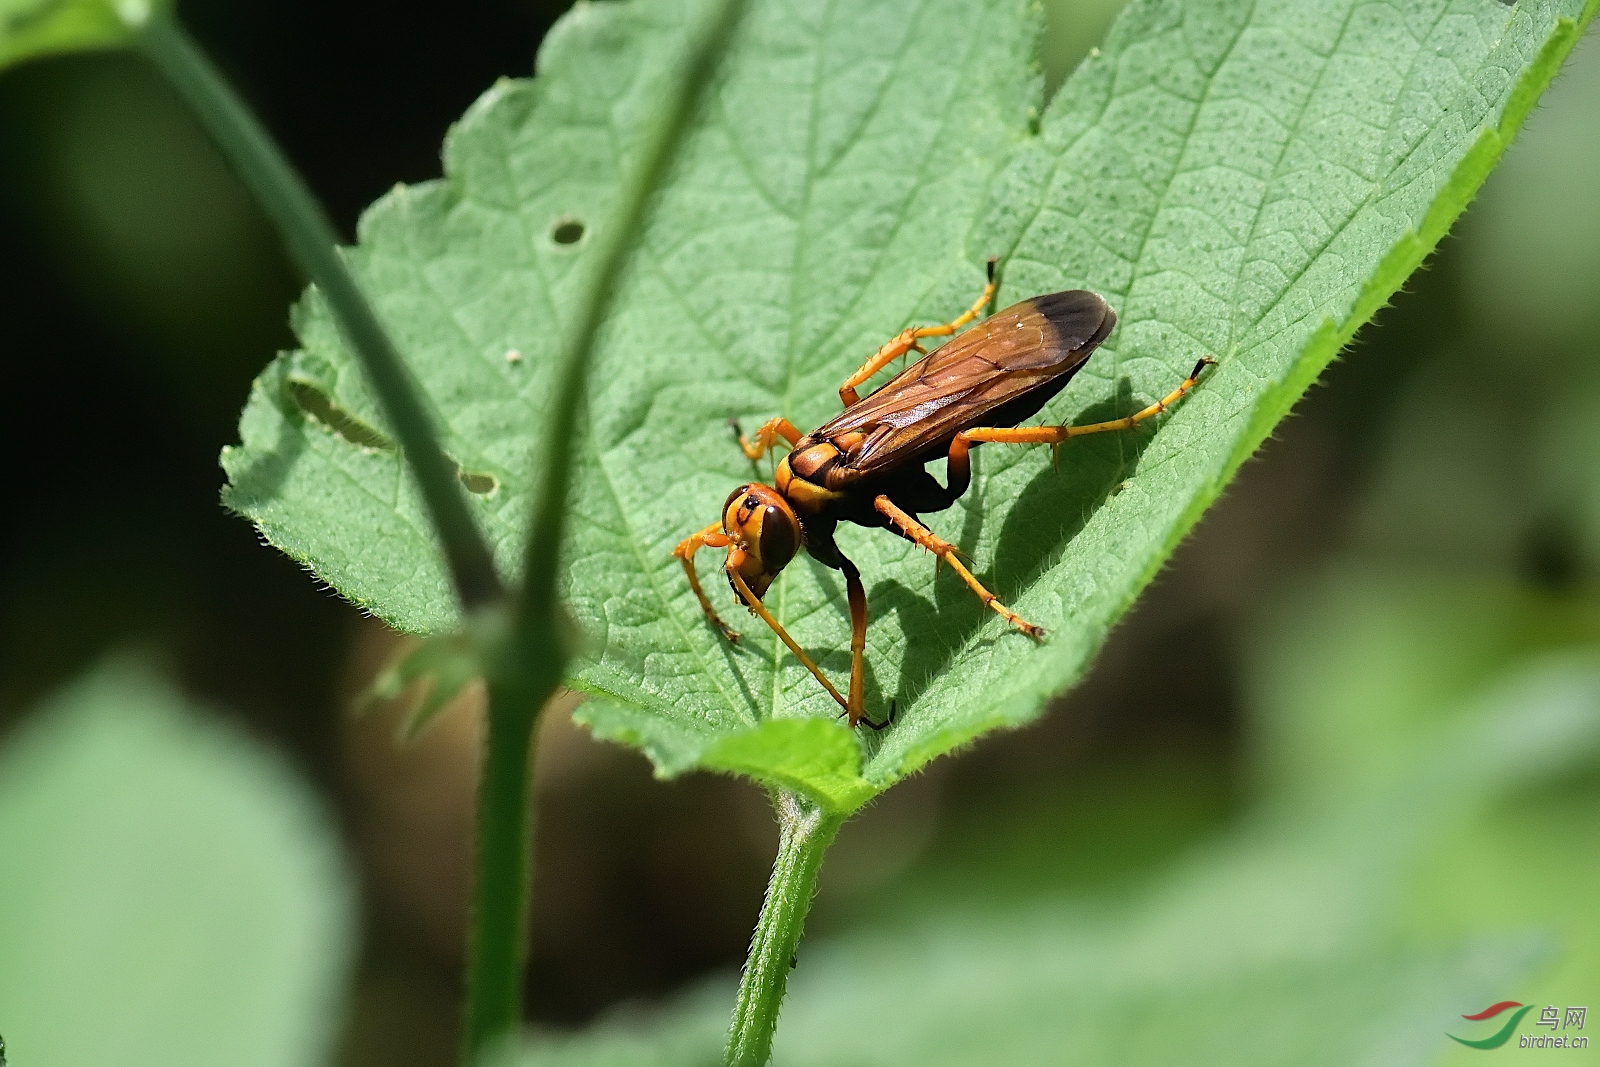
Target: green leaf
(441, 666)
(1289, 941)
(1351, 666)
(30, 28)
(169, 893)
(1243, 179)
(1356, 669)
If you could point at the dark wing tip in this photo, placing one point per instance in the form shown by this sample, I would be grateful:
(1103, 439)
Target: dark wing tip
(1079, 318)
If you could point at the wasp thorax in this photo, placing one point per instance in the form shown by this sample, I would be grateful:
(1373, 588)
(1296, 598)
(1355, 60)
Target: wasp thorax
(761, 522)
(813, 463)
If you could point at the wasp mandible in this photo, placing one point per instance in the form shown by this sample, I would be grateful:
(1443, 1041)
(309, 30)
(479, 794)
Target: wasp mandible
(866, 466)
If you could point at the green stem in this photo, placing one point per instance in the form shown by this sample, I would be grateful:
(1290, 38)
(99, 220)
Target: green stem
(314, 247)
(804, 834)
(615, 240)
(531, 669)
(521, 678)
(497, 946)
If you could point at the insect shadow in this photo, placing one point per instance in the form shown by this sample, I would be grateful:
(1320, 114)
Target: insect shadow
(732, 655)
(1051, 510)
(834, 657)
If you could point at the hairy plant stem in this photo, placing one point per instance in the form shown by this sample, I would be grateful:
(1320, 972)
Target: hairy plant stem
(614, 242)
(804, 834)
(314, 247)
(540, 642)
(503, 867)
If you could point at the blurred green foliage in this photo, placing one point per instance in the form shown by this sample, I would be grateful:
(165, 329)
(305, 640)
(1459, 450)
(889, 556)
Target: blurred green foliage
(169, 893)
(1309, 934)
(30, 28)
(146, 223)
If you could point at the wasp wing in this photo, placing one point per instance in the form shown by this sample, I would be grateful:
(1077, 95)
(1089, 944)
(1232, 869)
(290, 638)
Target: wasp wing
(1025, 347)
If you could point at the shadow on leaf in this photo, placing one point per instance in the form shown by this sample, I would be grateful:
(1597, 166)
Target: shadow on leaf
(1051, 510)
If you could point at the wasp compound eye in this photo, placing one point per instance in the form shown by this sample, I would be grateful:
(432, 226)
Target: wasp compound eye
(780, 537)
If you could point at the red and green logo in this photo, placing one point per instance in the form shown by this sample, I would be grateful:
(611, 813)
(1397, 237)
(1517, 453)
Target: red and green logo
(1500, 1036)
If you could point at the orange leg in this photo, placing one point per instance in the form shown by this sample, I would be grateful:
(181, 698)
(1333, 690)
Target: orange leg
(766, 437)
(947, 552)
(754, 603)
(711, 537)
(858, 650)
(857, 595)
(907, 340)
(1054, 435)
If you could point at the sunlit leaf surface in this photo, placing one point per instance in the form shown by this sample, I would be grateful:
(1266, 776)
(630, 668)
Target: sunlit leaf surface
(1248, 180)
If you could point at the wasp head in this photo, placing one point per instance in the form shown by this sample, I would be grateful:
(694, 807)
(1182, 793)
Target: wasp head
(765, 533)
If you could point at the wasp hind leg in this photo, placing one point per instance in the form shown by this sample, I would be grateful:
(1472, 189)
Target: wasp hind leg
(906, 341)
(1054, 435)
(887, 722)
(944, 550)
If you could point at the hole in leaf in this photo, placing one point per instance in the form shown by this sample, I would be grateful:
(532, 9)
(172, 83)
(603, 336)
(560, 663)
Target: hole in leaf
(310, 399)
(477, 483)
(567, 232)
(481, 484)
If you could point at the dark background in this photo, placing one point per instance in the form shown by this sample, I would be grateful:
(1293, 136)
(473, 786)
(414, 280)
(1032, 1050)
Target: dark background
(142, 293)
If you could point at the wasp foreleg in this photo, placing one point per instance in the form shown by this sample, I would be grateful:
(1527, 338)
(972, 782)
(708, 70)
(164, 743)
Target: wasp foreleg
(711, 537)
(766, 437)
(754, 603)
